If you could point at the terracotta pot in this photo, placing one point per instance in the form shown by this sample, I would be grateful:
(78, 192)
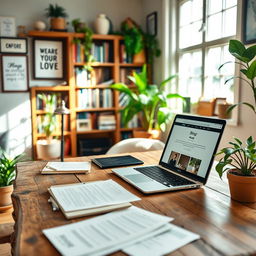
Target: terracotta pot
(222, 111)
(242, 188)
(152, 134)
(47, 150)
(58, 23)
(140, 57)
(5, 195)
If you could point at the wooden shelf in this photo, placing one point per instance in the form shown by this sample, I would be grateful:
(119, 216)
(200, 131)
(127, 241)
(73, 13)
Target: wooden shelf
(71, 91)
(95, 109)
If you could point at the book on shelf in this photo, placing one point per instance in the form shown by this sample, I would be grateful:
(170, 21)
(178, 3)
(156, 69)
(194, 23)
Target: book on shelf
(66, 167)
(101, 51)
(91, 198)
(78, 53)
(106, 121)
(83, 77)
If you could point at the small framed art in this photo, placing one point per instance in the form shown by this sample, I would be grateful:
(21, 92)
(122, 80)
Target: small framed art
(83, 125)
(48, 59)
(14, 73)
(13, 45)
(249, 22)
(7, 26)
(152, 23)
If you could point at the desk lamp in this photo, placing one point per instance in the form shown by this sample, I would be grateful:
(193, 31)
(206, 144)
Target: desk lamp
(62, 110)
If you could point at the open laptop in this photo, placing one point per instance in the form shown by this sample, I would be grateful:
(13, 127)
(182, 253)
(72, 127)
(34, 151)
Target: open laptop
(186, 159)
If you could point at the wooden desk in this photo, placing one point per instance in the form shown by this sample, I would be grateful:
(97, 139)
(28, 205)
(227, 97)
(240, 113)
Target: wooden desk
(226, 227)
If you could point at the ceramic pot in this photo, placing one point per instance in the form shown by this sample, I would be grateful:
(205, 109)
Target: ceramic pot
(58, 23)
(39, 25)
(46, 150)
(101, 24)
(242, 188)
(5, 195)
(140, 57)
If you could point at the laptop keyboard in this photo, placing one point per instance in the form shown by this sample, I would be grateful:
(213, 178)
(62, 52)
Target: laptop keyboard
(162, 176)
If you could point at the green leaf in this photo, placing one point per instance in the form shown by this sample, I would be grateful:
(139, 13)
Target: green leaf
(250, 52)
(249, 141)
(238, 141)
(220, 67)
(251, 71)
(163, 83)
(237, 49)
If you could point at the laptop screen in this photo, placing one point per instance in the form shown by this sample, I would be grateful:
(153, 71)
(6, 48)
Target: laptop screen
(191, 146)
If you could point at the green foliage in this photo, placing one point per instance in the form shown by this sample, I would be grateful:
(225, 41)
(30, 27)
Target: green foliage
(86, 41)
(55, 11)
(152, 47)
(49, 122)
(245, 58)
(150, 100)
(239, 156)
(7, 169)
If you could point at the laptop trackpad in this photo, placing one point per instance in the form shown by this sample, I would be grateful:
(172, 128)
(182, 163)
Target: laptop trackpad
(137, 178)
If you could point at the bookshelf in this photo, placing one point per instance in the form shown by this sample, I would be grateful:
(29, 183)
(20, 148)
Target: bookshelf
(94, 123)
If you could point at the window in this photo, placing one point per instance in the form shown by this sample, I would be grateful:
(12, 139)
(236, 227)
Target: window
(204, 30)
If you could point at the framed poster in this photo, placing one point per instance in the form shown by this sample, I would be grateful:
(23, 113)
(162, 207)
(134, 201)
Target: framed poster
(249, 21)
(13, 45)
(14, 73)
(48, 59)
(152, 23)
(7, 26)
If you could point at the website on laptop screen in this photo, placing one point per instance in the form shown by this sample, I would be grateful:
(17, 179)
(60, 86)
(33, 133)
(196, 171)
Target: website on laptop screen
(191, 145)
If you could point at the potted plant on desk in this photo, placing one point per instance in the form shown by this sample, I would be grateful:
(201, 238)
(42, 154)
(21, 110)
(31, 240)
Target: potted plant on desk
(149, 100)
(239, 159)
(7, 175)
(48, 148)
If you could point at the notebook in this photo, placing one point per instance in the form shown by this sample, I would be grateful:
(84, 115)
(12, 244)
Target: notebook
(116, 161)
(186, 159)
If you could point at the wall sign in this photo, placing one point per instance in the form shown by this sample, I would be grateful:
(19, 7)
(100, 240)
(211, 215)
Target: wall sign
(48, 59)
(13, 45)
(14, 73)
(7, 26)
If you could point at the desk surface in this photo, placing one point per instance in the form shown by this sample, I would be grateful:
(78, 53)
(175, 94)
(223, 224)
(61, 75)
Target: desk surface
(226, 227)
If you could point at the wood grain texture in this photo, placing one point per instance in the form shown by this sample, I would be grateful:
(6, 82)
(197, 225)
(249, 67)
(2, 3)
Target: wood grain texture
(226, 227)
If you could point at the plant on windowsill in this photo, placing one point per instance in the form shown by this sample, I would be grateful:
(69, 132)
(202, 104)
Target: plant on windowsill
(48, 148)
(240, 161)
(149, 100)
(7, 176)
(57, 15)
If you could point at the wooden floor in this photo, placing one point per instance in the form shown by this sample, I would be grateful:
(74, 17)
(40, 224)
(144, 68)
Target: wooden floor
(5, 217)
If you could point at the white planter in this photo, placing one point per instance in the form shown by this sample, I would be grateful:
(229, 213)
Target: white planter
(47, 151)
(101, 24)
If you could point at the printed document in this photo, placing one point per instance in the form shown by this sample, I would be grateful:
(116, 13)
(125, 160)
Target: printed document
(106, 233)
(164, 243)
(89, 195)
(69, 166)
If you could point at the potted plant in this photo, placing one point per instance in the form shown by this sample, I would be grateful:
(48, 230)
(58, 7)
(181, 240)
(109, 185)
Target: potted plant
(239, 159)
(48, 148)
(240, 162)
(7, 176)
(57, 15)
(86, 41)
(149, 100)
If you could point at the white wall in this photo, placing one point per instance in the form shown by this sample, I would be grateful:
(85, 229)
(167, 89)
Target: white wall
(15, 113)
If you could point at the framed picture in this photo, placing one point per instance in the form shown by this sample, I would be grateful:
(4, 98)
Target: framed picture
(7, 26)
(152, 23)
(249, 21)
(13, 45)
(48, 59)
(83, 125)
(14, 73)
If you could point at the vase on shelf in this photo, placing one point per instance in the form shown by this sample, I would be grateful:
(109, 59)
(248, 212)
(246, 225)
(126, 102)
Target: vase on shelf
(101, 24)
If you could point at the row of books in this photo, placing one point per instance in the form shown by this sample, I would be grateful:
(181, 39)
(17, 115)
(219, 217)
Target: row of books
(41, 104)
(102, 52)
(106, 122)
(95, 77)
(95, 98)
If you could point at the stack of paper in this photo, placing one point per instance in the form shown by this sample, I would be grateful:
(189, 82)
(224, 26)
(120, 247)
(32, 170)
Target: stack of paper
(136, 231)
(66, 167)
(81, 199)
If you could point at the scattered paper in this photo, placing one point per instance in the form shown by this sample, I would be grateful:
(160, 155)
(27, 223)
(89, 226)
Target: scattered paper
(91, 195)
(69, 166)
(164, 243)
(106, 233)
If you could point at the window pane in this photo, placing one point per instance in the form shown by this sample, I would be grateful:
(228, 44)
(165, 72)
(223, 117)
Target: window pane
(190, 71)
(214, 27)
(197, 10)
(185, 13)
(230, 3)
(214, 6)
(229, 22)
